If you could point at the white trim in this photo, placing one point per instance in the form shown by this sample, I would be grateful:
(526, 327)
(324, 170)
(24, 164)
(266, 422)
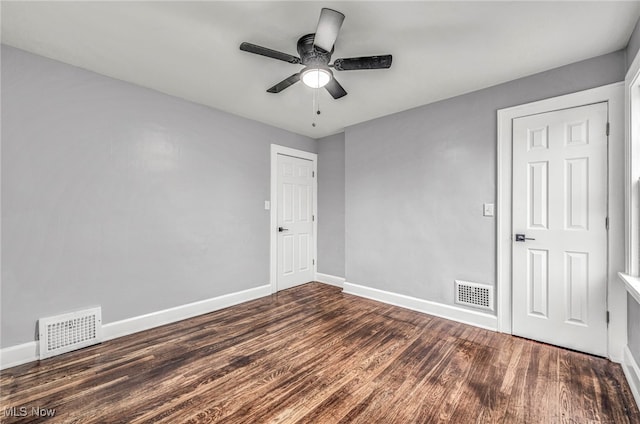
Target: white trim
(617, 306)
(632, 373)
(167, 316)
(503, 224)
(19, 354)
(27, 352)
(632, 284)
(453, 313)
(330, 279)
(273, 235)
(632, 170)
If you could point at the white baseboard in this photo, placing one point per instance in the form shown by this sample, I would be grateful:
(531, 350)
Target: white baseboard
(632, 373)
(330, 279)
(19, 354)
(465, 316)
(27, 352)
(178, 313)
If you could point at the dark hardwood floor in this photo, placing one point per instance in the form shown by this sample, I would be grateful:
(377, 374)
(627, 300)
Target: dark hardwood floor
(314, 355)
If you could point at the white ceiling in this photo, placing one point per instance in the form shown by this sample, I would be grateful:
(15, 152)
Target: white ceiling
(440, 49)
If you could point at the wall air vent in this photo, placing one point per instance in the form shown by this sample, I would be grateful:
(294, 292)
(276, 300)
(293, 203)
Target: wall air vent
(474, 294)
(67, 332)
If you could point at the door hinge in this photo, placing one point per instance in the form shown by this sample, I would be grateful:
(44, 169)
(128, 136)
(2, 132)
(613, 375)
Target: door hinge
(607, 317)
(313, 217)
(313, 173)
(606, 223)
(313, 261)
(608, 128)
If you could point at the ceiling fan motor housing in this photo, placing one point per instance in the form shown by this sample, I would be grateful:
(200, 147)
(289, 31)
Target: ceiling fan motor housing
(311, 55)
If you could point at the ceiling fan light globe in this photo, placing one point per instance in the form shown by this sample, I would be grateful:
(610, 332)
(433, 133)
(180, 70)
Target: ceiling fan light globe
(316, 77)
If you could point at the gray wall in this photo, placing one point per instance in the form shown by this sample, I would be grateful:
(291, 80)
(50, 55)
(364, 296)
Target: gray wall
(331, 205)
(633, 327)
(120, 196)
(633, 308)
(634, 44)
(416, 182)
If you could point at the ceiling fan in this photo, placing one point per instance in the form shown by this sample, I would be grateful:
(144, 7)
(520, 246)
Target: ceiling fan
(315, 53)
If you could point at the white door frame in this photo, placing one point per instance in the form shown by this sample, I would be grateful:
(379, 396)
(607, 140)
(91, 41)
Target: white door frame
(632, 167)
(616, 302)
(273, 234)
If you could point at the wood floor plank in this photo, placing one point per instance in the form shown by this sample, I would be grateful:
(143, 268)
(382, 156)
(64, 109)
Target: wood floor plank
(312, 354)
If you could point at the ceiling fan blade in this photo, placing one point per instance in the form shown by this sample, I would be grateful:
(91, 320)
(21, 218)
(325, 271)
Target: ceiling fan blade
(284, 83)
(329, 26)
(369, 62)
(335, 89)
(274, 54)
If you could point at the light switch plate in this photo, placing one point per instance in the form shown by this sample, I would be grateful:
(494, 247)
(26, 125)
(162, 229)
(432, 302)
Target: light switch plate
(488, 209)
(267, 205)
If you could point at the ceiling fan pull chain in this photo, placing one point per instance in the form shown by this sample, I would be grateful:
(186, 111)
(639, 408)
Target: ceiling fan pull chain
(315, 104)
(313, 101)
(317, 111)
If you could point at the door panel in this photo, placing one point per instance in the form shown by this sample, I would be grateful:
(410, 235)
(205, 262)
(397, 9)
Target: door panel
(577, 284)
(538, 211)
(577, 194)
(538, 282)
(287, 203)
(288, 252)
(304, 260)
(560, 204)
(295, 212)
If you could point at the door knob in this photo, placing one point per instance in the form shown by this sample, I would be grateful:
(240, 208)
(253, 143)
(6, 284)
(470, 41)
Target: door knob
(281, 229)
(521, 237)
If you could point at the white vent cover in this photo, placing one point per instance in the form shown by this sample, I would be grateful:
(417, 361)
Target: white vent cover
(474, 294)
(67, 332)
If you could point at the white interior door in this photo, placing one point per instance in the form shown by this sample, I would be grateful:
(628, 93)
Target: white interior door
(560, 208)
(295, 247)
